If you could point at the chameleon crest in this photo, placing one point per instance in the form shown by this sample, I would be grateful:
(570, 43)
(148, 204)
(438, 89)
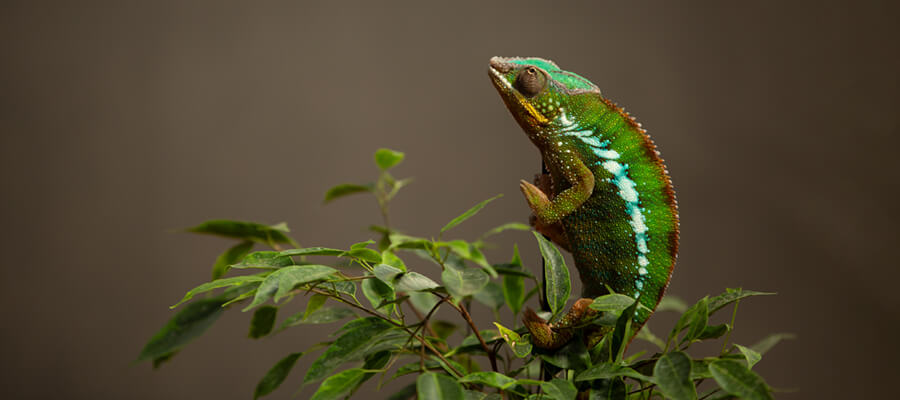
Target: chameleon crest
(607, 197)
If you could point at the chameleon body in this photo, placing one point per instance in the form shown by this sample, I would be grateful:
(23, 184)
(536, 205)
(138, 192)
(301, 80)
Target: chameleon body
(607, 197)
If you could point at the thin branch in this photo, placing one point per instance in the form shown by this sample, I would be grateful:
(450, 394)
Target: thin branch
(421, 338)
(491, 355)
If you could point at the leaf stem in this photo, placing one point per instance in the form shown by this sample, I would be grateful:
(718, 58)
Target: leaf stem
(730, 327)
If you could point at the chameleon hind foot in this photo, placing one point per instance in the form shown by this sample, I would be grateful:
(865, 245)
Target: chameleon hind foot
(553, 336)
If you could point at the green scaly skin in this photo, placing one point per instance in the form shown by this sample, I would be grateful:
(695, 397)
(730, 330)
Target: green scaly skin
(608, 198)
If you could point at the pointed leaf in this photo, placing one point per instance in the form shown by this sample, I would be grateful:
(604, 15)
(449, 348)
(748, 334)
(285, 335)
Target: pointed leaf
(730, 296)
(512, 225)
(414, 282)
(340, 385)
(556, 276)
(244, 230)
(489, 378)
(766, 344)
(264, 259)
(230, 256)
(464, 282)
(612, 303)
(276, 375)
(186, 325)
(282, 281)
(672, 374)
(609, 370)
(312, 251)
(559, 389)
(358, 337)
(735, 378)
(434, 386)
(385, 159)
(671, 303)
(323, 315)
(468, 214)
(218, 283)
(752, 356)
(491, 295)
(520, 346)
(262, 322)
(346, 189)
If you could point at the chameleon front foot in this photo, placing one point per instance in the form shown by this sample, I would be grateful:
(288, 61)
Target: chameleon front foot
(553, 336)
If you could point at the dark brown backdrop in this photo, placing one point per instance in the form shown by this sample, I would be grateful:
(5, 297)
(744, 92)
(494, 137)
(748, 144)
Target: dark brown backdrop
(122, 121)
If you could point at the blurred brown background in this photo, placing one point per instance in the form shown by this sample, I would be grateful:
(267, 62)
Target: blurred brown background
(120, 122)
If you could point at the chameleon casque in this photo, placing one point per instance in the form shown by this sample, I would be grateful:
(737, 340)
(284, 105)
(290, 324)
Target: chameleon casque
(607, 197)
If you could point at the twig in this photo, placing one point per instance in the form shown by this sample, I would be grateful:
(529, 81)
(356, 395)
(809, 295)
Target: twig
(491, 355)
(395, 323)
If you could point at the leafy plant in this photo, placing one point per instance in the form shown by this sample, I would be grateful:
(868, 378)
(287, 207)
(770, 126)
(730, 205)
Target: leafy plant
(392, 332)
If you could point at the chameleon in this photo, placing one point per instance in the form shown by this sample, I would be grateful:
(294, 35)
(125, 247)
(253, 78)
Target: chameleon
(605, 195)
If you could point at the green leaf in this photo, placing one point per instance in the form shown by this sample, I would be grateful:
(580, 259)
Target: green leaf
(359, 337)
(464, 282)
(315, 302)
(230, 256)
(262, 322)
(434, 386)
(218, 283)
(509, 226)
(672, 374)
(378, 292)
(695, 318)
(612, 303)
(346, 382)
(346, 189)
(276, 375)
(609, 370)
(387, 274)
(559, 389)
(671, 303)
(730, 296)
(752, 356)
(468, 214)
(415, 282)
(573, 355)
(557, 283)
(282, 281)
(339, 385)
(264, 259)
(368, 255)
(312, 251)
(770, 341)
(385, 159)
(621, 333)
(514, 286)
(443, 329)
(713, 331)
(388, 257)
(491, 296)
(735, 378)
(609, 389)
(251, 231)
(473, 395)
(520, 346)
(646, 334)
(489, 378)
(186, 325)
(323, 315)
(422, 301)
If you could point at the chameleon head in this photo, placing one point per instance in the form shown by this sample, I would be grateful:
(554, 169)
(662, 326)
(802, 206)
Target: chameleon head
(537, 92)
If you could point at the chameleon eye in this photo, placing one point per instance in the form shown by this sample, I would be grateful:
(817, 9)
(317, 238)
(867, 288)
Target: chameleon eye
(530, 82)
